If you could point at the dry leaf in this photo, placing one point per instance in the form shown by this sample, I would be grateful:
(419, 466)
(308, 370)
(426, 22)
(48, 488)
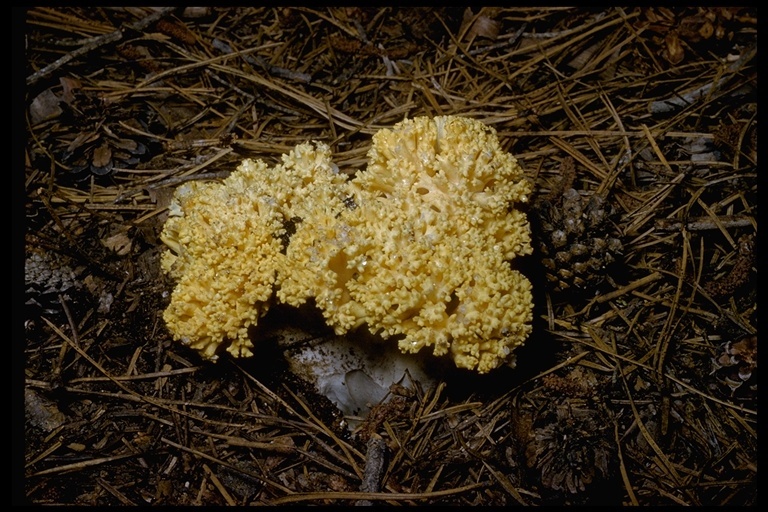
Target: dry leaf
(92, 284)
(102, 155)
(196, 12)
(44, 107)
(68, 88)
(674, 51)
(127, 144)
(706, 30)
(481, 26)
(120, 243)
(582, 58)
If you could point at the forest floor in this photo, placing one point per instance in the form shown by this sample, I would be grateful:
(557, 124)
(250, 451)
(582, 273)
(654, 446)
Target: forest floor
(639, 382)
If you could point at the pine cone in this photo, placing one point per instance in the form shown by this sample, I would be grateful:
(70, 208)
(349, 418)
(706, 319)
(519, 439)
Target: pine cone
(47, 274)
(736, 362)
(576, 239)
(571, 450)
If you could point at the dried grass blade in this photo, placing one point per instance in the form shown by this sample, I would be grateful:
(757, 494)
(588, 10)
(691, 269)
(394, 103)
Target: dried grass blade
(662, 459)
(76, 466)
(623, 468)
(219, 486)
(220, 462)
(394, 496)
(505, 483)
(655, 276)
(319, 425)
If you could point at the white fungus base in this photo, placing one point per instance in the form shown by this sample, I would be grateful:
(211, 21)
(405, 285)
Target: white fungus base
(355, 376)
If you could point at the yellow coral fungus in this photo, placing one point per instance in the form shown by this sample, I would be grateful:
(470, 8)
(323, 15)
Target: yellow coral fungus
(416, 247)
(225, 246)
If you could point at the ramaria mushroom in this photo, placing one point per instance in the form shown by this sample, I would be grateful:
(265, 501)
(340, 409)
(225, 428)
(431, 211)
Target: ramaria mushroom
(225, 247)
(416, 247)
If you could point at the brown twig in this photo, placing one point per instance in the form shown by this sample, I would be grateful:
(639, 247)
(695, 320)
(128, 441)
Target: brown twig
(374, 467)
(97, 42)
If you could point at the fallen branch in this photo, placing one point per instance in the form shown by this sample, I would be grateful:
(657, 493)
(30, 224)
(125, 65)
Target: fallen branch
(661, 106)
(259, 61)
(374, 467)
(704, 223)
(96, 42)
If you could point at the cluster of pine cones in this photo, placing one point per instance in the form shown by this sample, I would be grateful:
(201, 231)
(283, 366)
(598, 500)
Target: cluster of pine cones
(574, 235)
